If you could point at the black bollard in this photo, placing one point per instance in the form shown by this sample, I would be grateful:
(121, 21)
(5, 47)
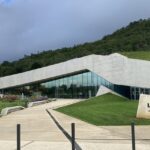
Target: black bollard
(18, 137)
(73, 135)
(133, 135)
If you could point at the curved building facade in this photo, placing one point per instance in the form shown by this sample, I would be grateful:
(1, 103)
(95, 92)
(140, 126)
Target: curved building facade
(83, 78)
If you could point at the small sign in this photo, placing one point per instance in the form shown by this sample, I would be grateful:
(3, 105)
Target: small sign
(143, 110)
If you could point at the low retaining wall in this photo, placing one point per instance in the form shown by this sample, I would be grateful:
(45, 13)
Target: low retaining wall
(31, 104)
(8, 110)
(36, 103)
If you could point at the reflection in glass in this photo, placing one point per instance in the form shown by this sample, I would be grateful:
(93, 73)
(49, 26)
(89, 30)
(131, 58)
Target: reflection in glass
(80, 85)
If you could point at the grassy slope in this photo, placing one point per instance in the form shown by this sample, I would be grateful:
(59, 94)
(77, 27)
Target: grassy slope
(108, 109)
(4, 104)
(144, 55)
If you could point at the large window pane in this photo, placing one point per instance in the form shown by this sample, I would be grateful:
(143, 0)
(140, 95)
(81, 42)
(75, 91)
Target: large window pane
(69, 87)
(85, 84)
(89, 84)
(79, 86)
(75, 82)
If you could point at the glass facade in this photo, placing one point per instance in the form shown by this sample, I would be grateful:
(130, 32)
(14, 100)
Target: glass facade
(136, 91)
(80, 85)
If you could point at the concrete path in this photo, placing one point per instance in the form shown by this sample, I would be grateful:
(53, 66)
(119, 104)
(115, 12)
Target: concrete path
(39, 132)
(91, 137)
(37, 128)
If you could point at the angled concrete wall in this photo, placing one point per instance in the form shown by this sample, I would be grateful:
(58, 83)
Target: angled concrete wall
(115, 68)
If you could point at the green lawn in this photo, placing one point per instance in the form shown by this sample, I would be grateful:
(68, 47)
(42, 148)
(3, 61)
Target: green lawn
(144, 55)
(107, 109)
(4, 103)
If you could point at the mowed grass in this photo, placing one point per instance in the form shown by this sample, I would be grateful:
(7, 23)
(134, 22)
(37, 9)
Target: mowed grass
(4, 104)
(143, 55)
(107, 109)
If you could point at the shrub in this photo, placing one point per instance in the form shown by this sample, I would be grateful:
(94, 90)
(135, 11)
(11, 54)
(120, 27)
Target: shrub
(41, 98)
(10, 98)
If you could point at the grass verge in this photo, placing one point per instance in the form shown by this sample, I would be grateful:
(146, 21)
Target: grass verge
(4, 104)
(107, 109)
(143, 55)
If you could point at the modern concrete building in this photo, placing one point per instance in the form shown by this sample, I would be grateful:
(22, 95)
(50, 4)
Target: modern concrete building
(83, 77)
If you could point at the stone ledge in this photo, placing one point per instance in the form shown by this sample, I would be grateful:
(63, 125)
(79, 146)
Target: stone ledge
(8, 110)
(31, 104)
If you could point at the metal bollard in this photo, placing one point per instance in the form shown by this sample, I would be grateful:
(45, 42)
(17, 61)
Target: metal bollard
(73, 135)
(18, 137)
(133, 135)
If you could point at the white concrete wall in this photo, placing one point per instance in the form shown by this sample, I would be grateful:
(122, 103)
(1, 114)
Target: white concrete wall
(103, 90)
(115, 68)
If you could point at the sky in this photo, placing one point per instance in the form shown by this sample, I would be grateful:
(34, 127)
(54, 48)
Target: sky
(31, 26)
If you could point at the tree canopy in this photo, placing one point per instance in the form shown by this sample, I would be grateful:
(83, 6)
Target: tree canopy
(134, 37)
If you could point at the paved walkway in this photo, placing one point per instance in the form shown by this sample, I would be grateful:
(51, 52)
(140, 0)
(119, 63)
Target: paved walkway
(37, 128)
(91, 137)
(39, 132)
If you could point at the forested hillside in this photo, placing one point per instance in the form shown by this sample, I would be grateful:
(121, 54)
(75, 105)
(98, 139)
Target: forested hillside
(134, 37)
